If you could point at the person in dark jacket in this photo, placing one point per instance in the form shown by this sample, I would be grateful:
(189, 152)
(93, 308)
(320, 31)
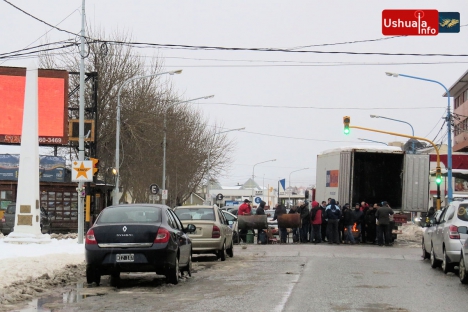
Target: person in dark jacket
(260, 211)
(348, 223)
(295, 231)
(369, 223)
(358, 218)
(281, 210)
(333, 214)
(316, 223)
(303, 209)
(323, 227)
(383, 217)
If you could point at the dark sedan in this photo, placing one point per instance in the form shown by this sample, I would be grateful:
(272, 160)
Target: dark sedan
(138, 238)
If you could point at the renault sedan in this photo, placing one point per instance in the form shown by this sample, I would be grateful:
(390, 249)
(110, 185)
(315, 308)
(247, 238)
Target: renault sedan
(138, 238)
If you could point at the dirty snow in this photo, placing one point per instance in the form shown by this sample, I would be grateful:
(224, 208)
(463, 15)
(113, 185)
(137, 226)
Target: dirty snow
(27, 270)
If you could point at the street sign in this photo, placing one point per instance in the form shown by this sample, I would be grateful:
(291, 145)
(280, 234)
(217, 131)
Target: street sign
(219, 196)
(258, 200)
(82, 171)
(154, 189)
(154, 197)
(164, 194)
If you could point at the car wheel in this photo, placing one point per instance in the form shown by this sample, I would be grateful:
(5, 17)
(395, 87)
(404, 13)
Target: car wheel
(462, 271)
(188, 268)
(230, 251)
(434, 262)
(222, 253)
(172, 275)
(425, 254)
(446, 265)
(93, 275)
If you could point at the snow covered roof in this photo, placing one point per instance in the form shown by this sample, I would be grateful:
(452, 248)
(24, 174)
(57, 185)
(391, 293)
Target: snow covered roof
(365, 148)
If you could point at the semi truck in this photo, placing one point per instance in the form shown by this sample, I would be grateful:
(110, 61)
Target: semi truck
(374, 174)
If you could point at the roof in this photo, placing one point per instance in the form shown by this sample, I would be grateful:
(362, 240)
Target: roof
(459, 85)
(365, 148)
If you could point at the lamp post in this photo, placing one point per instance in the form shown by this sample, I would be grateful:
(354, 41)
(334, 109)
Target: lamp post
(209, 164)
(373, 141)
(253, 174)
(412, 129)
(289, 199)
(163, 201)
(448, 119)
(115, 200)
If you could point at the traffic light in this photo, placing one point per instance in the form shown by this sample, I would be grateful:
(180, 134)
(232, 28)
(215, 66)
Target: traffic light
(438, 176)
(346, 121)
(95, 165)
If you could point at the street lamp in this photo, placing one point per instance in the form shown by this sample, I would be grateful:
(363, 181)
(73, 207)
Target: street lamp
(117, 131)
(373, 141)
(253, 174)
(209, 164)
(449, 130)
(412, 129)
(163, 201)
(290, 191)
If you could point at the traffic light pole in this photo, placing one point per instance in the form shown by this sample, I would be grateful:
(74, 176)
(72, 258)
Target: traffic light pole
(438, 170)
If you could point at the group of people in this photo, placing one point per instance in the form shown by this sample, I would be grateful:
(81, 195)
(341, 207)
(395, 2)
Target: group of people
(332, 223)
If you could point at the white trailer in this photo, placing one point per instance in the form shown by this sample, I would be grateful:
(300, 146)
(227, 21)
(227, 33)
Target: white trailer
(374, 174)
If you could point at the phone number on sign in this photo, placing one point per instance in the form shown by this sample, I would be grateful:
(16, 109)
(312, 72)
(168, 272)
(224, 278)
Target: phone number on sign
(50, 140)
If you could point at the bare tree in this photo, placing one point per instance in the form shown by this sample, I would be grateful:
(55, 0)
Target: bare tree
(143, 102)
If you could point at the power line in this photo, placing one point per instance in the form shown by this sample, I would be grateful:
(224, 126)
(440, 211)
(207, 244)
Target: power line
(314, 107)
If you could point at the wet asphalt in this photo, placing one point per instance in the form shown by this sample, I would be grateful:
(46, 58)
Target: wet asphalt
(299, 277)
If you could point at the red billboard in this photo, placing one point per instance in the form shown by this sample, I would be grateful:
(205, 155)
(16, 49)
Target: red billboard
(53, 105)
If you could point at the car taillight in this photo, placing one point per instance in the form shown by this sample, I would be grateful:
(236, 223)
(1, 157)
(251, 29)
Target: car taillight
(453, 232)
(216, 233)
(162, 236)
(90, 239)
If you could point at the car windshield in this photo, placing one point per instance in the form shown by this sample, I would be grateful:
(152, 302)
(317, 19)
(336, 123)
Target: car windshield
(462, 212)
(130, 214)
(195, 213)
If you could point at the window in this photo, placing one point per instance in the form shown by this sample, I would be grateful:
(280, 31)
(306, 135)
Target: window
(130, 214)
(462, 212)
(456, 102)
(449, 214)
(170, 221)
(195, 213)
(176, 220)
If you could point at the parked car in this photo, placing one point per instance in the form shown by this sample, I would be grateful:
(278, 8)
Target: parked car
(463, 265)
(213, 234)
(232, 220)
(7, 223)
(443, 239)
(138, 238)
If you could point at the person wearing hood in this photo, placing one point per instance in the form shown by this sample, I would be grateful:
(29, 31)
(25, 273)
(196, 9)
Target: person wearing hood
(316, 223)
(333, 214)
(358, 218)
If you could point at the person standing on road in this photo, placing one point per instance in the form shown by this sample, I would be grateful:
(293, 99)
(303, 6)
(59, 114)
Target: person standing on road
(281, 210)
(295, 231)
(369, 224)
(383, 217)
(364, 208)
(261, 211)
(358, 217)
(323, 227)
(305, 220)
(348, 222)
(244, 210)
(316, 222)
(333, 215)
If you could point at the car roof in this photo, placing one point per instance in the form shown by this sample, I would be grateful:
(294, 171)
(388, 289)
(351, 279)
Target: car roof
(138, 205)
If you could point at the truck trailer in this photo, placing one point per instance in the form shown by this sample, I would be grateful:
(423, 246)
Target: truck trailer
(374, 174)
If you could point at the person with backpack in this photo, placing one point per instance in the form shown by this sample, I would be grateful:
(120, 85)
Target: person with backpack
(348, 223)
(316, 223)
(333, 214)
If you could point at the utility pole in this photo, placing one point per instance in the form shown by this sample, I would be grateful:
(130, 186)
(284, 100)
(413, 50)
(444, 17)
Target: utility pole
(81, 127)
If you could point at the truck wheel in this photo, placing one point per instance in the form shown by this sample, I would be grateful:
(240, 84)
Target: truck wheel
(434, 262)
(462, 271)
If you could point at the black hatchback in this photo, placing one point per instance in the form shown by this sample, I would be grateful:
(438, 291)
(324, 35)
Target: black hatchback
(138, 238)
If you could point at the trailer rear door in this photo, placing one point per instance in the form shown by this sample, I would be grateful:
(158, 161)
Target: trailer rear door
(344, 178)
(415, 183)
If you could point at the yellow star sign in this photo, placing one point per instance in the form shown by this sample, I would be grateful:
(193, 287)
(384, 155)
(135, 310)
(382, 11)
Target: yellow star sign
(82, 171)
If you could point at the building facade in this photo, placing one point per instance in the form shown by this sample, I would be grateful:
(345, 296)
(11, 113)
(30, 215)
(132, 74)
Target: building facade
(459, 93)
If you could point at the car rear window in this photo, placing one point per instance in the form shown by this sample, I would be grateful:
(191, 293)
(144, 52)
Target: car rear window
(195, 214)
(462, 212)
(11, 209)
(130, 214)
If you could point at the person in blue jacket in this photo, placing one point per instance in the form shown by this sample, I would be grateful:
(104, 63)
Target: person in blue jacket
(333, 214)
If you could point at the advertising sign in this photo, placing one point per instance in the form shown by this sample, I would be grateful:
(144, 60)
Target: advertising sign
(52, 106)
(82, 171)
(332, 178)
(51, 168)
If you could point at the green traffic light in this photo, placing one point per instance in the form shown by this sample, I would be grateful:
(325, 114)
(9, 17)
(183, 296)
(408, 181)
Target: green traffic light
(346, 130)
(438, 180)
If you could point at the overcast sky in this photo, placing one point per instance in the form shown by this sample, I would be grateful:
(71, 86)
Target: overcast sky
(310, 92)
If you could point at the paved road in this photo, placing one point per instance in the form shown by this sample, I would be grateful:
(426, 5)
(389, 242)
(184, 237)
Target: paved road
(288, 278)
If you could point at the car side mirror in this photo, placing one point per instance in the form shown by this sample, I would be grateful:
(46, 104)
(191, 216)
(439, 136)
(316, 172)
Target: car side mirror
(463, 230)
(190, 228)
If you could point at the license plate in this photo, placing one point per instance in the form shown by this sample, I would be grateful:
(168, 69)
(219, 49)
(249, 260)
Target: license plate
(124, 258)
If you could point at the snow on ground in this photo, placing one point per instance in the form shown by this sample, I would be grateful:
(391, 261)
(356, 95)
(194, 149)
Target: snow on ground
(22, 261)
(411, 236)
